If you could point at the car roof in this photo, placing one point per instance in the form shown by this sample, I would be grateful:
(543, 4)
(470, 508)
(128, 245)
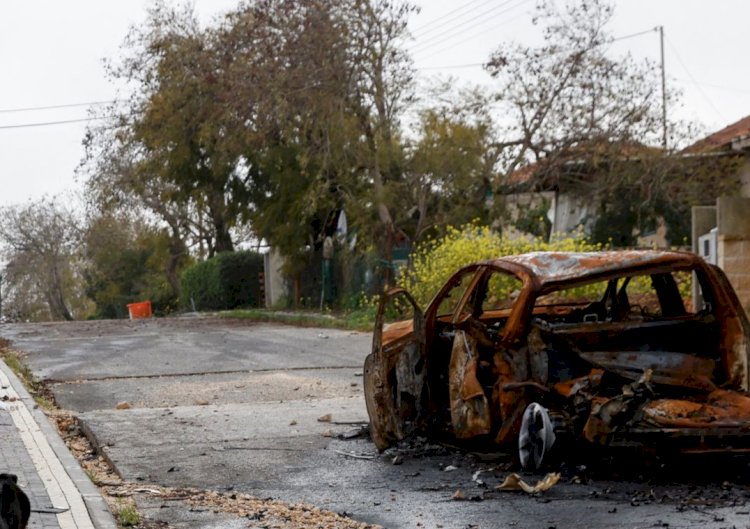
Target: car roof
(554, 267)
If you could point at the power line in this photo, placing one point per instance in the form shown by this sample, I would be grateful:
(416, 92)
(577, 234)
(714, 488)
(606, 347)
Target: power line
(473, 36)
(421, 32)
(457, 31)
(49, 123)
(449, 13)
(52, 107)
(476, 64)
(714, 86)
(452, 66)
(692, 79)
(630, 36)
(452, 33)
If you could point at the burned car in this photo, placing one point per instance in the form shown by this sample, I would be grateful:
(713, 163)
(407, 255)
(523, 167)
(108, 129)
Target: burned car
(635, 348)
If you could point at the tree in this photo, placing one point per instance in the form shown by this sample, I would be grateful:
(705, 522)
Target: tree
(319, 88)
(451, 165)
(125, 260)
(279, 117)
(161, 151)
(583, 120)
(567, 95)
(288, 130)
(115, 186)
(383, 76)
(40, 245)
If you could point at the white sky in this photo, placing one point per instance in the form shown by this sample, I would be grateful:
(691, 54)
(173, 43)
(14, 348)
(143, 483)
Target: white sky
(51, 54)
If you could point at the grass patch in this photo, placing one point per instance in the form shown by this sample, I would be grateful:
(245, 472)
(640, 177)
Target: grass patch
(92, 475)
(13, 360)
(34, 386)
(128, 515)
(357, 320)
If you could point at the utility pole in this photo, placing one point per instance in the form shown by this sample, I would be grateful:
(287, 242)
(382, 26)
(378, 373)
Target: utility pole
(663, 90)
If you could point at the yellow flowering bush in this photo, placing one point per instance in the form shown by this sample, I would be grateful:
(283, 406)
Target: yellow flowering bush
(435, 260)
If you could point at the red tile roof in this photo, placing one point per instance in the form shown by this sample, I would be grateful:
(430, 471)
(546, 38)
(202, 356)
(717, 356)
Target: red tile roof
(579, 155)
(722, 138)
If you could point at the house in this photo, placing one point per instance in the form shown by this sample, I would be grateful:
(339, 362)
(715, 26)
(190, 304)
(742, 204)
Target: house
(571, 189)
(721, 231)
(731, 141)
(627, 189)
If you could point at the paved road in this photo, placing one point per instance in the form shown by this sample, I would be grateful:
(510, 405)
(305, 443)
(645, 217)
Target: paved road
(231, 405)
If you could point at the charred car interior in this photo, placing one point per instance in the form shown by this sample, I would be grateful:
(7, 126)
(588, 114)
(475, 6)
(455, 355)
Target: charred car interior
(607, 348)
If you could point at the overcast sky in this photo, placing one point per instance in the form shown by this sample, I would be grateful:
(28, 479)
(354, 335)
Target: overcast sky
(51, 54)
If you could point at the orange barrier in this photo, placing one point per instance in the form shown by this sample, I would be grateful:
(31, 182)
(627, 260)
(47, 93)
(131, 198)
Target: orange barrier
(142, 309)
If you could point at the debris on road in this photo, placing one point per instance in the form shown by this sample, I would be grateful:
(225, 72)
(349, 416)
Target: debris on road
(325, 418)
(355, 456)
(123, 405)
(354, 433)
(272, 513)
(475, 477)
(514, 482)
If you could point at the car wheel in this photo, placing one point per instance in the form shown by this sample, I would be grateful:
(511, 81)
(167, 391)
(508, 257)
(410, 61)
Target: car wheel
(536, 436)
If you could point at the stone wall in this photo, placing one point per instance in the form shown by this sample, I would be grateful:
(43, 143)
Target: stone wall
(733, 245)
(734, 259)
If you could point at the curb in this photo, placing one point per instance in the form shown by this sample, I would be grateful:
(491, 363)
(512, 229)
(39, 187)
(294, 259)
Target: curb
(92, 498)
(97, 445)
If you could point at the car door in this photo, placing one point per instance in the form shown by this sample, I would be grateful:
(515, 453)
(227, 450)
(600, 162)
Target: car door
(396, 384)
(394, 372)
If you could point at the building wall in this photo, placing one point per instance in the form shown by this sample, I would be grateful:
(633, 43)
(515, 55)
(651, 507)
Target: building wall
(517, 204)
(733, 245)
(745, 177)
(274, 279)
(567, 212)
(570, 212)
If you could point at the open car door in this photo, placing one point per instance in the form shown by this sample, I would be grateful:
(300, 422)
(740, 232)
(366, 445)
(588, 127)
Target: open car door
(394, 373)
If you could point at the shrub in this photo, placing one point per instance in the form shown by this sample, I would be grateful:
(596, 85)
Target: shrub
(226, 281)
(435, 260)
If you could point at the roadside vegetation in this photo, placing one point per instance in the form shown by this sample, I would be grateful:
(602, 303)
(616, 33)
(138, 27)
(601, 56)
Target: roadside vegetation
(356, 320)
(435, 260)
(14, 360)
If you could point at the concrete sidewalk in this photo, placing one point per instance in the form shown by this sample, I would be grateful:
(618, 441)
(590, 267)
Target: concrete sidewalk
(61, 494)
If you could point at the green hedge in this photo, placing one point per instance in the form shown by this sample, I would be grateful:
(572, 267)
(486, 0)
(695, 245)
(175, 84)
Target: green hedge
(226, 281)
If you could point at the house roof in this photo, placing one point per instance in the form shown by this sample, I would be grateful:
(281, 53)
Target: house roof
(581, 155)
(722, 139)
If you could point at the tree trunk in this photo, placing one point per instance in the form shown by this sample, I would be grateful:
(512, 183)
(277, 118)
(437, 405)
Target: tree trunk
(223, 241)
(177, 252)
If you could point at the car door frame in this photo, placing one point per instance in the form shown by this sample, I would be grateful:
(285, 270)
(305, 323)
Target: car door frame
(404, 361)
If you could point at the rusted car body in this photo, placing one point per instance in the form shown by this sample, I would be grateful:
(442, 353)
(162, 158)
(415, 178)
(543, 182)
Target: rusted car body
(608, 344)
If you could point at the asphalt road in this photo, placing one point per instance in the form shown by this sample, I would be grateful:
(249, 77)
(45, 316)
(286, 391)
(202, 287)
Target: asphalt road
(230, 405)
